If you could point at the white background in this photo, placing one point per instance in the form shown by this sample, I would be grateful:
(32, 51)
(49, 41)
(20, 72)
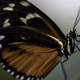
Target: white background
(62, 12)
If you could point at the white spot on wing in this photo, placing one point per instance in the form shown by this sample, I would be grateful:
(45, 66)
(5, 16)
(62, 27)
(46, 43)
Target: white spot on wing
(32, 15)
(8, 70)
(28, 78)
(2, 37)
(36, 15)
(6, 23)
(29, 16)
(24, 3)
(0, 48)
(3, 66)
(32, 78)
(23, 20)
(17, 76)
(22, 78)
(12, 73)
(12, 5)
(8, 9)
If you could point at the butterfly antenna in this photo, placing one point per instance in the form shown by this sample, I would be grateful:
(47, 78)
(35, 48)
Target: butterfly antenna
(77, 19)
(73, 33)
(75, 36)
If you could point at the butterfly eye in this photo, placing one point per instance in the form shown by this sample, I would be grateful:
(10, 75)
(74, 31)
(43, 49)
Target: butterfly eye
(12, 5)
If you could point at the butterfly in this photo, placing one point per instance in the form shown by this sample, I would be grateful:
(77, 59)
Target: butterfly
(31, 44)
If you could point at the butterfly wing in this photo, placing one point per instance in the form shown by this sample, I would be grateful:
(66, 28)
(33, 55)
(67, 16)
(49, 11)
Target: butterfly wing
(27, 49)
(31, 59)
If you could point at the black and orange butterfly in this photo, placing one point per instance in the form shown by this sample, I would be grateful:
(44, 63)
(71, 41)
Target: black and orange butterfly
(31, 44)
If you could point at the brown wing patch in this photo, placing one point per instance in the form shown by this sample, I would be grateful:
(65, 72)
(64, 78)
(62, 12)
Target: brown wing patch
(32, 59)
